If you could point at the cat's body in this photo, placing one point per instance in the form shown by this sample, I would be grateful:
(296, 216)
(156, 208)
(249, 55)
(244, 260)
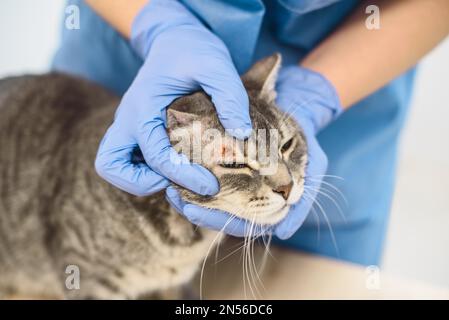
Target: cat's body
(56, 212)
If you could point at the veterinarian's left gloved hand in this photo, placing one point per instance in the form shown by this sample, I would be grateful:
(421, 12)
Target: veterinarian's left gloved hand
(313, 102)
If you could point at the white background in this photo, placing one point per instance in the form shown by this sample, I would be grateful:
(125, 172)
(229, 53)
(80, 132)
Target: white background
(418, 237)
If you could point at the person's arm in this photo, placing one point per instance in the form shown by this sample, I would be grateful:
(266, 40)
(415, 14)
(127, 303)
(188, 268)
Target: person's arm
(118, 13)
(358, 61)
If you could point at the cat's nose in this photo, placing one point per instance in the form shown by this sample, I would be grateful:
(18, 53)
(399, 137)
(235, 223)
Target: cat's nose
(284, 190)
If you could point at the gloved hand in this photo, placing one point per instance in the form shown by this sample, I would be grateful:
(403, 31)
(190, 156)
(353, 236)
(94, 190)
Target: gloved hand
(180, 56)
(313, 102)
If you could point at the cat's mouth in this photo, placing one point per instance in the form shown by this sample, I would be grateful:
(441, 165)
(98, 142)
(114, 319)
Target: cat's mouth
(276, 216)
(269, 217)
(272, 217)
(265, 213)
(259, 216)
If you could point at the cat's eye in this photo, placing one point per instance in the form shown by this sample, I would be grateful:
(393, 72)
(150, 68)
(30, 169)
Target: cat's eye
(233, 165)
(287, 145)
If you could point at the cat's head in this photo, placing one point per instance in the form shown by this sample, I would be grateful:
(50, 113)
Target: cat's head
(253, 187)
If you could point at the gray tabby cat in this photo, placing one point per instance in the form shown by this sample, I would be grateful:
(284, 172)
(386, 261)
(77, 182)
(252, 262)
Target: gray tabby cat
(56, 212)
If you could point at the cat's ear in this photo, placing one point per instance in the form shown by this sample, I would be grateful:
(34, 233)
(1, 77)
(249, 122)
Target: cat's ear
(262, 76)
(177, 119)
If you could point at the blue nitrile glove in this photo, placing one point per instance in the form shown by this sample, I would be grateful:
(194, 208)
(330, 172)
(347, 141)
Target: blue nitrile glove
(313, 102)
(180, 56)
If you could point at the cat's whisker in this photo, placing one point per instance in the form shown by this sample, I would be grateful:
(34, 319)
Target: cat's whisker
(287, 116)
(249, 259)
(255, 277)
(317, 202)
(254, 268)
(249, 266)
(337, 197)
(307, 197)
(238, 247)
(233, 217)
(219, 234)
(267, 244)
(291, 107)
(247, 262)
(323, 193)
(217, 248)
(266, 253)
(244, 266)
(325, 176)
(331, 192)
(244, 270)
(325, 183)
(317, 219)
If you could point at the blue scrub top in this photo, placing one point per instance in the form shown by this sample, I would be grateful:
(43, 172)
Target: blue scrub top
(361, 144)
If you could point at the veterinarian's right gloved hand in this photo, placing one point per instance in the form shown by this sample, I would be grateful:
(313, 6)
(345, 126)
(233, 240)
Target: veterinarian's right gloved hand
(180, 56)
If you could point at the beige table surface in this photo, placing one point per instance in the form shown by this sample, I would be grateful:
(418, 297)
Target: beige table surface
(291, 274)
(294, 275)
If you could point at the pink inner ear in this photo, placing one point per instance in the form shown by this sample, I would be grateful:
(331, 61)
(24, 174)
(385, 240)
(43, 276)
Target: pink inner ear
(176, 117)
(184, 117)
